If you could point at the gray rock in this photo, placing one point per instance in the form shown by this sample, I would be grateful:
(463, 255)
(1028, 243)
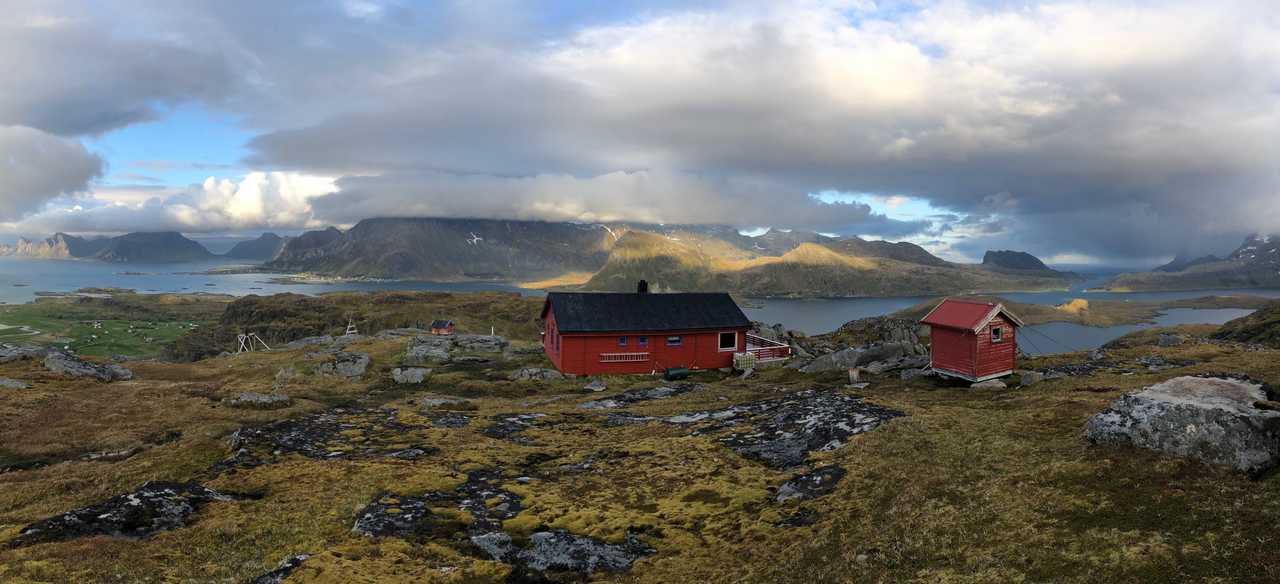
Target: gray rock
(325, 340)
(345, 364)
(278, 575)
(843, 359)
(479, 343)
(909, 374)
(807, 486)
(905, 362)
(427, 349)
(6, 383)
(433, 402)
(1169, 340)
(1097, 355)
(254, 399)
(639, 395)
(69, 365)
(562, 551)
(154, 507)
(989, 384)
(1030, 378)
(409, 375)
(1211, 419)
(10, 353)
(535, 374)
(596, 385)
(398, 333)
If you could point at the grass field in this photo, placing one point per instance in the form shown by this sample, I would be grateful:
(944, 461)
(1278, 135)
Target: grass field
(972, 486)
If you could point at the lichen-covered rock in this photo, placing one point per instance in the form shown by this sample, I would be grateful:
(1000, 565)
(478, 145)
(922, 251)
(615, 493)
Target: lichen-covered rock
(253, 399)
(9, 353)
(909, 374)
(1211, 419)
(325, 340)
(550, 552)
(278, 575)
(808, 486)
(479, 343)
(69, 365)
(639, 395)
(335, 434)
(409, 375)
(406, 517)
(507, 426)
(536, 374)
(345, 364)
(6, 383)
(1030, 378)
(860, 356)
(426, 349)
(989, 384)
(596, 386)
(154, 507)
(1169, 340)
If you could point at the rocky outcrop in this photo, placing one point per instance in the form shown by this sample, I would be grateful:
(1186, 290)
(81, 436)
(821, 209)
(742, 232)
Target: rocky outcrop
(278, 575)
(253, 399)
(1211, 419)
(479, 343)
(345, 364)
(639, 395)
(409, 375)
(891, 355)
(810, 485)
(535, 374)
(69, 365)
(426, 349)
(596, 386)
(340, 433)
(10, 353)
(154, 507)
(6, 383)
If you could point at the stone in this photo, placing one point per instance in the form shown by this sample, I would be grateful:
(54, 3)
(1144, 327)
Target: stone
(507, 426)
(1211, 419)
(820, 482)
(398, 333)
(535, 374)
(479, 343)
(909, 374)
(409, 375)
(253, 399)
(858, 356)
(1030, 378)
(1158, 363)
(596, 385)
(905, 362)
(989, 384)
(6, 383)
(345, 364)
(426, 349)
(561, 551)
(69, 365)
(278, 575)
(639, 395)
(432, 402)
(335, 434)
(153, 507)
(325, 340)
(9, 353)
(449, 420)
(1097, 355)
(406, 517)
(1169, 340)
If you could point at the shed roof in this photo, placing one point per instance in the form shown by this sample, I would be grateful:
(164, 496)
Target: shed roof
(435, 324)
(970, 315)
(629, 312)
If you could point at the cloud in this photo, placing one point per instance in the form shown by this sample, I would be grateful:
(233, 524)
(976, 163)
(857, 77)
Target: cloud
(36, 167)
(260, 200)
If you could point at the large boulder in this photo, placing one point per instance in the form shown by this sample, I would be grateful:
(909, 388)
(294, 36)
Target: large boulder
(69, 365)
(409, 375)
(426, 349)
(16, 352)
(858, 356)
(479, 343)
(253, 399)
(1208, 418)
(345, 364)
(536, 374)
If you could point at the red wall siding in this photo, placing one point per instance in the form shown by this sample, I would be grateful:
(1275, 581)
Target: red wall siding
(996, 357)
(951, 350)
(580, 353)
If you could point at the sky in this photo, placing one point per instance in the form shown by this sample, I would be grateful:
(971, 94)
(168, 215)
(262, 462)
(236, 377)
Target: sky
(1118, 132)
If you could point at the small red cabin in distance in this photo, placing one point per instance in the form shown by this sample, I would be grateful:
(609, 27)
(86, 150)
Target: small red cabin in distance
(599, 333)
(442, 327)
(972, 340)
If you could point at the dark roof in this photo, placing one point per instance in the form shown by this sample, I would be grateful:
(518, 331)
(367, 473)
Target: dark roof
(441, 324)
(587, 312)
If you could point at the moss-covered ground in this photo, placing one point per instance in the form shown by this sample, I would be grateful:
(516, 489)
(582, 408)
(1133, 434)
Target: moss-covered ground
(971, 486)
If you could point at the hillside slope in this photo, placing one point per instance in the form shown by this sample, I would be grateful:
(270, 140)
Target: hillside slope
(1262, 327)
(1255, 264)
(265, 247)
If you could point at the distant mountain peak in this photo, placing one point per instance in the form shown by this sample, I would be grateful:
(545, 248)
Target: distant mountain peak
(1013, 260)
(1258, 250)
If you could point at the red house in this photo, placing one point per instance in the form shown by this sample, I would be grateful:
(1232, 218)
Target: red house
(610, 333)
(972, 340)
(442, 327)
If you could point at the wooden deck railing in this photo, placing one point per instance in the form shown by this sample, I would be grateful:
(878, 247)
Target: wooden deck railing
(623, 357)
(767, 350)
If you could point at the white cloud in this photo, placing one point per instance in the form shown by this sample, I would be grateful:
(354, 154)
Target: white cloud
(36, 167)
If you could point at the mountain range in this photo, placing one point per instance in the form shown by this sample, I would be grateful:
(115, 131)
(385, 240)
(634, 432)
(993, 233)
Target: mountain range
(142, 247)
(671, 257)
(1255, 264)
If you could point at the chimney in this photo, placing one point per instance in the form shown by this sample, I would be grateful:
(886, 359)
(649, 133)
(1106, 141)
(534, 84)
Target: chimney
(642, 287)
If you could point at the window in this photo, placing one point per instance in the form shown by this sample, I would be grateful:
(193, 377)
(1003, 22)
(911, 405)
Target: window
(729, 341)
(642, 341)
(997, 334)
(622, 341)
(674, 341)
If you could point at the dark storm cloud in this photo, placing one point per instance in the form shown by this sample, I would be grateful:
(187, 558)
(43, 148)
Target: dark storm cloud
(27, 156)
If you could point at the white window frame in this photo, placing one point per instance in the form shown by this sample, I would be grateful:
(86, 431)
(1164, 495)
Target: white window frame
(679, 341)
(997, 334)
(720, 341)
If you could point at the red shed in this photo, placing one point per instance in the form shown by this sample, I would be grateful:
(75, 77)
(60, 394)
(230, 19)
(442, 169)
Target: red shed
(598, 333)
(972, 340)
(442, 327)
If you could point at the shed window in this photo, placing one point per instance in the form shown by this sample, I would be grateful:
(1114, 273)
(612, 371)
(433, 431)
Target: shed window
(674, 341)
(622, 341)
(728, 341)
(642, 341)
(997, 334)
